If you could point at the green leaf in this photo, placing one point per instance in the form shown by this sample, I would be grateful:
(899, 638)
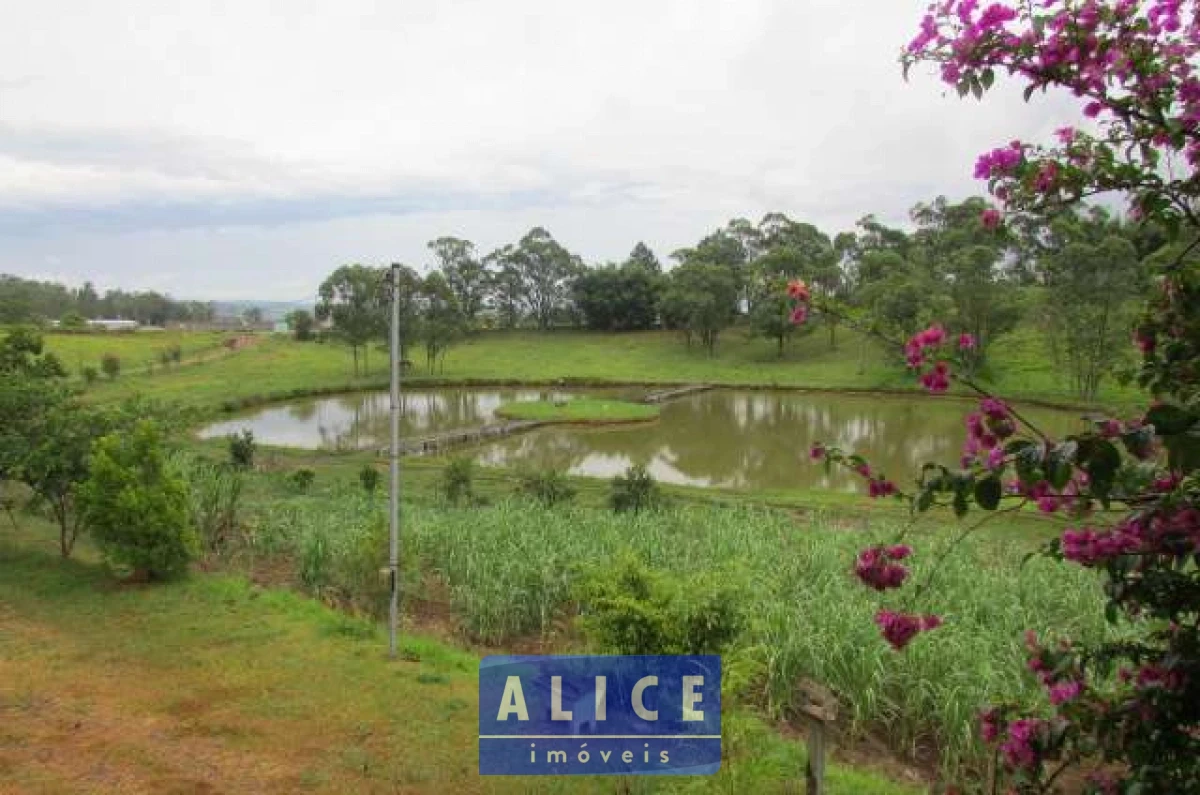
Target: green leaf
(1169, 420)
(1029, 91)
(988, 492)
(1058, 464)
(976, 88)
(960, 504)
(988, 77)
(924, 500)
(1183, 452)
(1016, 446)
(1101, 460)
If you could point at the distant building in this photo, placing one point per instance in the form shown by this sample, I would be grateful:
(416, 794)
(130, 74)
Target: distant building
(105, 324)
(280, 327)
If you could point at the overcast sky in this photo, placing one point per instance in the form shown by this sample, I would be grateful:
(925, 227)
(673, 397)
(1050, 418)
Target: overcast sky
(244, 149)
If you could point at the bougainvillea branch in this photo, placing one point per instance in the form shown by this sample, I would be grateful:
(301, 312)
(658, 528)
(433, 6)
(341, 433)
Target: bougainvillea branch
(1132, 65)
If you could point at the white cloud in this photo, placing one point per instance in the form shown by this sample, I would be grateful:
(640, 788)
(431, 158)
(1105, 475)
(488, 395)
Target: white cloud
(130, 130)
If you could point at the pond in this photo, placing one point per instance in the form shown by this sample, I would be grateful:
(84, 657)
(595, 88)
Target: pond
(727, 437)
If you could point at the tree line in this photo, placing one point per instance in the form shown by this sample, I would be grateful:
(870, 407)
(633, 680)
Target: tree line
(33, 302)
(1074, 276)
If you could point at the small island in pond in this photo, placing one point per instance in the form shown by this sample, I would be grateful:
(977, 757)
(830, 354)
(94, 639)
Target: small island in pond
(590, 411)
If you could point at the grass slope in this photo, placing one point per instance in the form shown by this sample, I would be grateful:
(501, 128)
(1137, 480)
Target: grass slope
(279, 367)
(212, 684)
(136, 350)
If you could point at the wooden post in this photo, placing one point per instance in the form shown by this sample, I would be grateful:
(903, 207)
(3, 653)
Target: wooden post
(819, 710)
(814, 771)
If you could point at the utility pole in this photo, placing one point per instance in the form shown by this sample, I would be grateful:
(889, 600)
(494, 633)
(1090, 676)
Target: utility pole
(394, 479)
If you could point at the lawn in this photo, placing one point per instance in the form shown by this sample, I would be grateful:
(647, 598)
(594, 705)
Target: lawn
(137, 350)
(279, 367)
(214, 684)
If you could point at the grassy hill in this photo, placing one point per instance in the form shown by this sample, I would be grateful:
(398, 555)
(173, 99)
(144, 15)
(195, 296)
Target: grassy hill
(279, 367)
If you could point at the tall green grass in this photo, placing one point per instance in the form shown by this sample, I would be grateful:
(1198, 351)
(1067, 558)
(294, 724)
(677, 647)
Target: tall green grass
(514, 568)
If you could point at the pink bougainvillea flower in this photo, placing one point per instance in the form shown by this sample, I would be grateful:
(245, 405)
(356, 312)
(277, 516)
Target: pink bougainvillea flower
(880, 487)
(1020, 748)
(900, 628)
(875, 567)
(799, 290)
(1062, 692)
(966, 342)
(990, 218)
(817, 451)
(799, 314)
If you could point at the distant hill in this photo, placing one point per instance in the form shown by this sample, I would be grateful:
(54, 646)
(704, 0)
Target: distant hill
(272, 310)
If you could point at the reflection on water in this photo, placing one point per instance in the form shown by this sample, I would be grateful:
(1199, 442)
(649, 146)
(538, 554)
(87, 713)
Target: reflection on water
(361, 420)
(734, 438)
(759, 439)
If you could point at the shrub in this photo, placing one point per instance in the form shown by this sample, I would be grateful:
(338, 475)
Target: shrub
(136, 508)
(547, 486)
(242, 448)
(90, 374)
(368, 476)
(172, 354)
(457, 480)
(110, 363)
(629, 609)
(302, 479)
(73, 321)
(634, 491)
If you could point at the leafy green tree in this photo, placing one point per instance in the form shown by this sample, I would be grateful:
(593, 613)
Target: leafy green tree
(612, 298)
(507, 288)
(985, 303)
(353, 298)
(135, 506)
(546, 270)
(32, 384)
(467, 276)
(1090, 285)
(644, 256)
(771, 315)
(301, 323)
(56, 462)
(969, 261)
(798, 250)
(701, 301)
(442, 322)
(898, 297)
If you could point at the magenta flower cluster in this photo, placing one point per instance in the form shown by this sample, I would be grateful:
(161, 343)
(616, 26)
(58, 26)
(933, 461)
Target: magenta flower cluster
(877, 568)
(1022, 746)
(1114, 56)
(1170, 531)
(1089, 547)
(986, 431)
(1002, 162)
(937, 378)
(900, 628)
